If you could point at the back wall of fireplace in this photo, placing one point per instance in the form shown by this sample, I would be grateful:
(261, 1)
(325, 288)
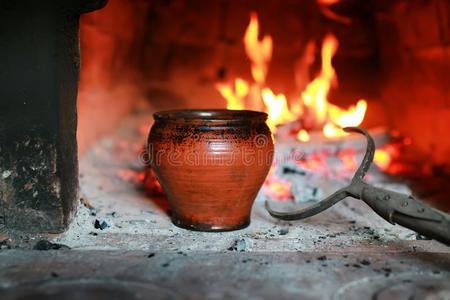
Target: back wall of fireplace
(169, 54)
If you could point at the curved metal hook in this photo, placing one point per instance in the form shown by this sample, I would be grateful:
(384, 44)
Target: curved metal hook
(309, 211)
(368, 157)
(340, 194)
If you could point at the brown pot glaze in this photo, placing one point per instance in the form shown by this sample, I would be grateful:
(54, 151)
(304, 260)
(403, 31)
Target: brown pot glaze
(211, 164)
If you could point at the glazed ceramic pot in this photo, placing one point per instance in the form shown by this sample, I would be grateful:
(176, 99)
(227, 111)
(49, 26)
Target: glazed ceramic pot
(211, 164)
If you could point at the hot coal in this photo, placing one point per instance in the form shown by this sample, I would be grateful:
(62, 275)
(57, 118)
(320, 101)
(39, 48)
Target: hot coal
(92, 210)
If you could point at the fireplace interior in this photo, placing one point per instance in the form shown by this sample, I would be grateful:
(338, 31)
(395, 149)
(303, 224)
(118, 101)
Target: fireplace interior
(314, 66)
(156, 55)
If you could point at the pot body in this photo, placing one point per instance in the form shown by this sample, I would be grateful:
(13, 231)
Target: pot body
(211, 164)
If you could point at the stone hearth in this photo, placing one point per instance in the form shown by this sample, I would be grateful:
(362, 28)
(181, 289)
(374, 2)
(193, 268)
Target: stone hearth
(123, 245)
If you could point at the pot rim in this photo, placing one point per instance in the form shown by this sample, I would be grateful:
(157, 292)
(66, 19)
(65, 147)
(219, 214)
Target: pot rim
(209, 115)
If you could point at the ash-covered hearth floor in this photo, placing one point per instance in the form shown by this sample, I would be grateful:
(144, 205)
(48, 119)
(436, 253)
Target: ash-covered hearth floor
(117, 213)
(123, 245)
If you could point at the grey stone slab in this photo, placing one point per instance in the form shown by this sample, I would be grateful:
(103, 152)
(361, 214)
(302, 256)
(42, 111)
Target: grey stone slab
(219, 275)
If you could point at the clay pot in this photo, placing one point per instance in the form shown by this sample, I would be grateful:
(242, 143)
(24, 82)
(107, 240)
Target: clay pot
(211, 164)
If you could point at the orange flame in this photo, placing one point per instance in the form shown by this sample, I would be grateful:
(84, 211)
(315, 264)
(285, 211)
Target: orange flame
(315, 95)
(277, 109)
(259, 52)
(385, 155)
(313, 100)
(330, 130)
(353, 116)
(303, 135)
(382, 159)
(235, 98)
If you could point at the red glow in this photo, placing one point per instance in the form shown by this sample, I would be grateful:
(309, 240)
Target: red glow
(315, 163)
(385, 155)
(275, 187)
(152, 184)
(278, 189)
(348, 158)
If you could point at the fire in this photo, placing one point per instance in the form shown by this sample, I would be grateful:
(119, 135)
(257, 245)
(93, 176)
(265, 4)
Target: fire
(382, 159)
(259, 52)
(277, 109)
(385, 156)
(303, 135)
(311, 109)
(330, 130)
(327, 12)
(351, 117)
(312, 103)
(234, 97)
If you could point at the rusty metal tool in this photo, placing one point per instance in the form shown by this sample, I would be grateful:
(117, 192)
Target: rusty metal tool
(396, 208)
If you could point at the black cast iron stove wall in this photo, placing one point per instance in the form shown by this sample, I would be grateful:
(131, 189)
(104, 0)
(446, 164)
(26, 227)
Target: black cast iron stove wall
(39, 70)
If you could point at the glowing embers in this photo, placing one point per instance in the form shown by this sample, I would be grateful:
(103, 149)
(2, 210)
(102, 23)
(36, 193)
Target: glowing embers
(298, 175)
(275, 187)
(387, 157)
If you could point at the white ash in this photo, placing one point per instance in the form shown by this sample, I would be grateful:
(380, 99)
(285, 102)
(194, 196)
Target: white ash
(139, 223)
(6, 174)
(242, 245)
(306, 186)
(313, 186)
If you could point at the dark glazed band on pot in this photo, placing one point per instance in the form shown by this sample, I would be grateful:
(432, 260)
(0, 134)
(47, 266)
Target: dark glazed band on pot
(210, 115)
